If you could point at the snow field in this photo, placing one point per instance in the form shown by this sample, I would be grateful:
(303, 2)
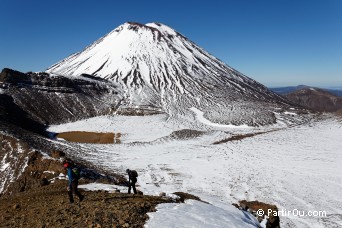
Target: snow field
(293, 168)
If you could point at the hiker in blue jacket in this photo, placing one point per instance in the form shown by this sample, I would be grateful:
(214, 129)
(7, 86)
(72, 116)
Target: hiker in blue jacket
(73, 176)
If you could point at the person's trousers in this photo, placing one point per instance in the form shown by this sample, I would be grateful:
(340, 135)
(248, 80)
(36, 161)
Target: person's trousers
(73, 190)
(132, 185)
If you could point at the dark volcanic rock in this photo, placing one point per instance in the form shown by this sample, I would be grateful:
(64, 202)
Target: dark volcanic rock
(53, 99)
(186, 134)
(57, 154)
(185, 196)
(12, 113)
(14, 77)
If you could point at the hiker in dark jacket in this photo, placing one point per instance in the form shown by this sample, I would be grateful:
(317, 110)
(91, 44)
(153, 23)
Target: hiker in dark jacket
(132, 179)
(73, 182)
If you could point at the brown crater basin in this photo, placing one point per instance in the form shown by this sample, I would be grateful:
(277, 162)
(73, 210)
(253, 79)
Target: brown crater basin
(90, 137)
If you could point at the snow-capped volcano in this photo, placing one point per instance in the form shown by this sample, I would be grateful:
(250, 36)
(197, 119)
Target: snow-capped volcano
(153, 54)
(159, 67)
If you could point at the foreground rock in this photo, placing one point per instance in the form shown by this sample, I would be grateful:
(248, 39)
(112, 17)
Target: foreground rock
(48, 206)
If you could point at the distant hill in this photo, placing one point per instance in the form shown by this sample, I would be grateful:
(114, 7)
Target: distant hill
(316, 99)
(289, 89)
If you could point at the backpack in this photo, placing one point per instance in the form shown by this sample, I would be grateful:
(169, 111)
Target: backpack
(76, 173)
(134, 174)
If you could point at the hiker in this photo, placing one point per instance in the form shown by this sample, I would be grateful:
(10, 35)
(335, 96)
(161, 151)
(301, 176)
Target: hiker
(132, 179)
(73, 176)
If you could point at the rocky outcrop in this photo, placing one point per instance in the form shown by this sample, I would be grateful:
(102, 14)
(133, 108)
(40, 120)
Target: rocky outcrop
(52, 99)
(23, 167)
(38, 172)
(260, 209)
(9, 76)
(14, 156)
(186, 196)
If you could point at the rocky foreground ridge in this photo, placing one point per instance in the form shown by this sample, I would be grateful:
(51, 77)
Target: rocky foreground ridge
(48, 206)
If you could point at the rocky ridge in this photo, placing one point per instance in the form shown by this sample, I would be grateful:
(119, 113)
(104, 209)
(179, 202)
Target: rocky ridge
(316, 99)
(48, 206)
(55, 99)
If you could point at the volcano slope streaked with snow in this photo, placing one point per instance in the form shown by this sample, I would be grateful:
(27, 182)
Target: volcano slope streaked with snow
(293, 168)
(158, 67)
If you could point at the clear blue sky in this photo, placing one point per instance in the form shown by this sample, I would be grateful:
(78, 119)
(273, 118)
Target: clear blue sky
(276, 42)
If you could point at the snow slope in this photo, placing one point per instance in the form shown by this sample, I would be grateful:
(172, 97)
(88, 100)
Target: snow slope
(294, 168)
(200, 215)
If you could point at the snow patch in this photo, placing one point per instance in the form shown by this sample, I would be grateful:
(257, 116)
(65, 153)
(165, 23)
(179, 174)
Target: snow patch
(4, 166)
(105, 187)
(290, 113)
(200, 116)
(194, 213)
(47, 171)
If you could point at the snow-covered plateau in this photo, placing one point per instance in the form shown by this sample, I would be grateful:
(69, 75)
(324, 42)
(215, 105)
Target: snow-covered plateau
(296, 168)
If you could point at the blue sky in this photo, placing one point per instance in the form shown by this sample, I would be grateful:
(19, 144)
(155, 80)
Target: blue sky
(276, 42)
